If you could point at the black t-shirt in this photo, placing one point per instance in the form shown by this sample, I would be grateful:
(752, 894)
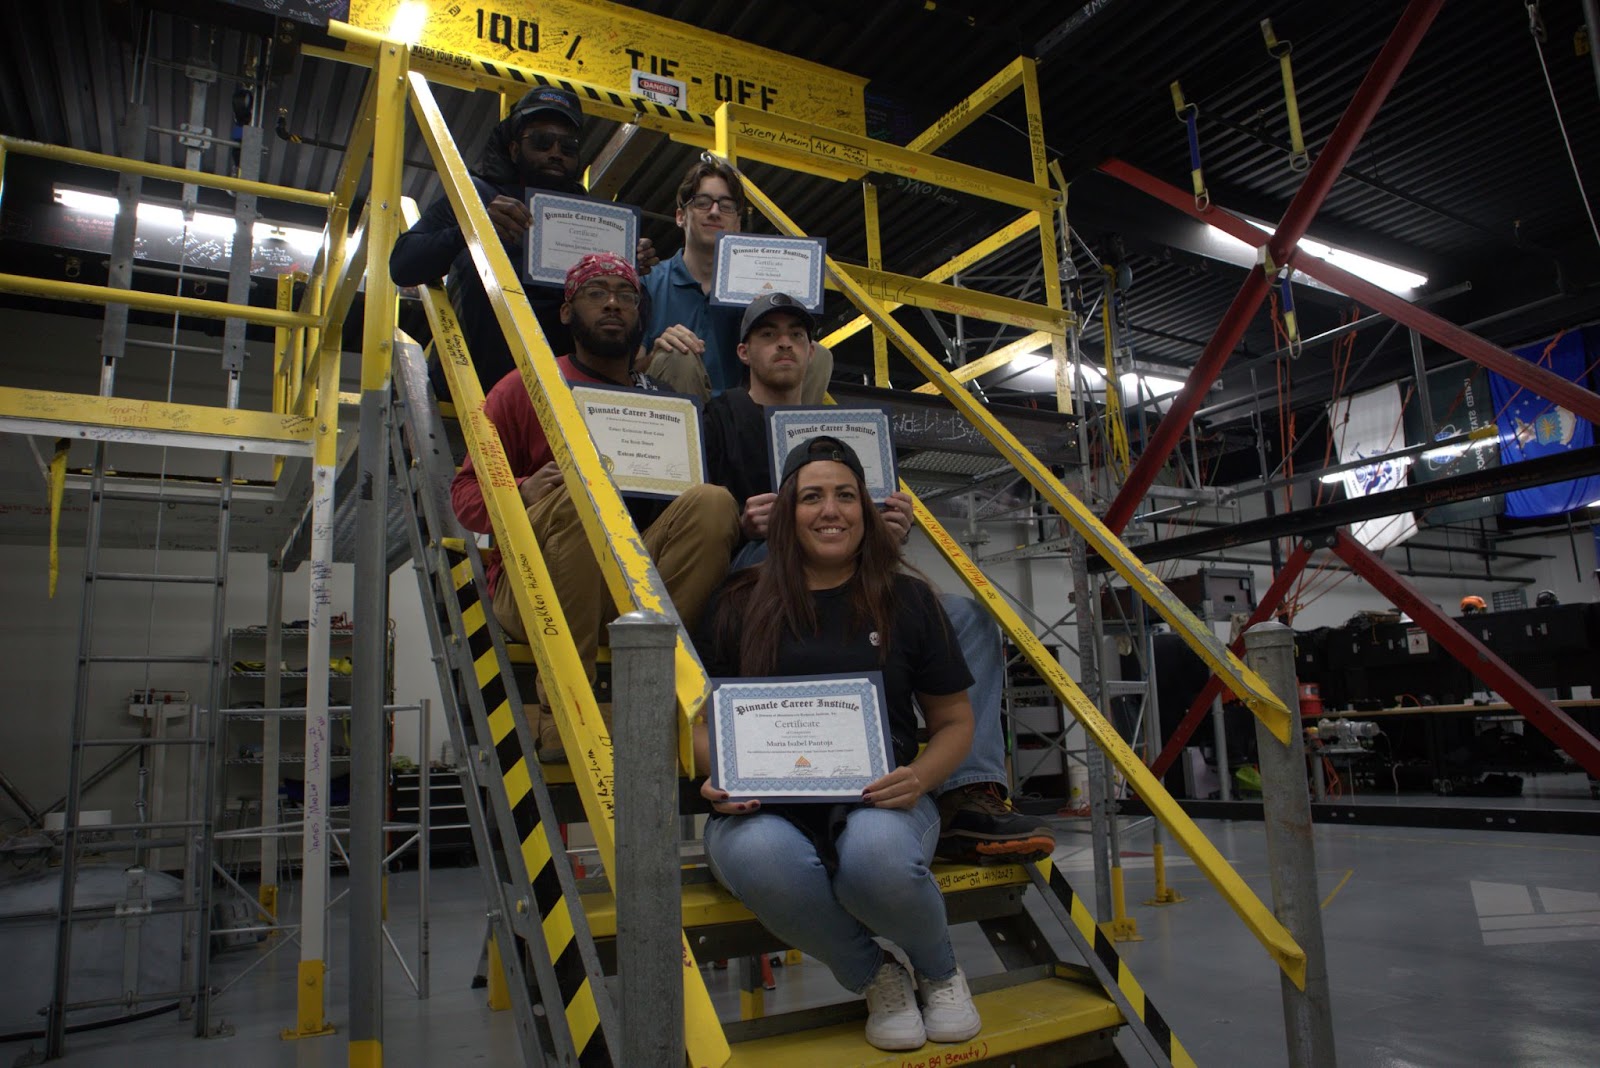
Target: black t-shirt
(923, 654)
(735, 429)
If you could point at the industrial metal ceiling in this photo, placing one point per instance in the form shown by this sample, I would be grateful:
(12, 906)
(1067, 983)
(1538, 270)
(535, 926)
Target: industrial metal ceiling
(1464, 174)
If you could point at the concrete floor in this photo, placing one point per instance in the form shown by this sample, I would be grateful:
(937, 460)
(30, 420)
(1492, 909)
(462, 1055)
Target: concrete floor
(1446, 948)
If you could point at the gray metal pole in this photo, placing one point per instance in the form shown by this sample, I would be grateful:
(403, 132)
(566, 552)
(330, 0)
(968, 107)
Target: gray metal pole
(1220, 744)
(649, 922)
(368, 748)
(1291, 858)
(1094, 757)
(424, 841)
(1419, 367)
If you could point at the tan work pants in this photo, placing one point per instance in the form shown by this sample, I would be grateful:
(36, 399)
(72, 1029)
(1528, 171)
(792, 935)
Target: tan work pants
(690, 543)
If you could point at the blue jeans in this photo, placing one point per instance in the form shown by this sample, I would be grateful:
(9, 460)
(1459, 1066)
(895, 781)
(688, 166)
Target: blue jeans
(883, 887)
(979, 637)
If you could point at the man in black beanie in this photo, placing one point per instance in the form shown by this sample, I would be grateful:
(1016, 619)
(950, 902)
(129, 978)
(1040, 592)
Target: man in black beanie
(536, 145)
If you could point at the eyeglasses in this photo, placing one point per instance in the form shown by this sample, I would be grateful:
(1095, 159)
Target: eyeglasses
(702, 202)
(627, 298)
(544, 140)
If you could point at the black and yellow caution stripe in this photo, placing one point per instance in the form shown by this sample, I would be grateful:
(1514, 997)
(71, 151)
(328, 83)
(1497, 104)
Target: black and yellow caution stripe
(552, 909)
(1116, 978)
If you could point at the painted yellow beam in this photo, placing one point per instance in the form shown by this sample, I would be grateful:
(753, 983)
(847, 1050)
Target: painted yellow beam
(905, 289)
(1256, 916)
(1045, 217)
(786, 139)
(630, 573)
(71, 411)
(354, 161)
(340, 287)
(578, 716)
(982, 250)
(383, 222)
(968, 110)
(880, 346)
(992, 361)
(509, 80)
(52, 289)
(82, 158)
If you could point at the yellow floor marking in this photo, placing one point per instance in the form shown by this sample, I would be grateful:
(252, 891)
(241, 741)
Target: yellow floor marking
(1335, 892)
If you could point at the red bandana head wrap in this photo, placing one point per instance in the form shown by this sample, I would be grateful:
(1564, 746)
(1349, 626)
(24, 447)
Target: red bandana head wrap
(598, 265)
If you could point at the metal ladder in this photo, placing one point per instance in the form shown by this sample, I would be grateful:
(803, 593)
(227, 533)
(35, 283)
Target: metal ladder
(538, 923)
(194, 990)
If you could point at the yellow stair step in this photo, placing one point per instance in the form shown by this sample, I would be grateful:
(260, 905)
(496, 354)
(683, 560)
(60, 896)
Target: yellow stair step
(708, 903)
(1015, 1018)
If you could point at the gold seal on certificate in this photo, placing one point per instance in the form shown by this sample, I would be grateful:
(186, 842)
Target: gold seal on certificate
(566, 229)
(752, 265)
(802, 738)
(649, 442)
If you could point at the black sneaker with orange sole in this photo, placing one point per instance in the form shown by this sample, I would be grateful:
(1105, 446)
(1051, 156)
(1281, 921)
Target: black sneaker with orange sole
(978, 826)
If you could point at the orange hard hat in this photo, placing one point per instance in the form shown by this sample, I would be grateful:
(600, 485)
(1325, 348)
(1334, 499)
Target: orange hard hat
(1474, 602)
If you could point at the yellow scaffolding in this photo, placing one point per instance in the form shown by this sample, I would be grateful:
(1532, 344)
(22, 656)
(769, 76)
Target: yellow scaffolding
(303, 416)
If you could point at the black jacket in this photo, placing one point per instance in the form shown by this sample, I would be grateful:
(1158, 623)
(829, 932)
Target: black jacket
(436, 247)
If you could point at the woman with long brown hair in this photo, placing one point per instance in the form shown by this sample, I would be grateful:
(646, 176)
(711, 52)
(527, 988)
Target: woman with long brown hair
(832, 597)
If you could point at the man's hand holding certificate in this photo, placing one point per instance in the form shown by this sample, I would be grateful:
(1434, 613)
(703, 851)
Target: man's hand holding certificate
(566, 229)
(813, 738)
(649, 442)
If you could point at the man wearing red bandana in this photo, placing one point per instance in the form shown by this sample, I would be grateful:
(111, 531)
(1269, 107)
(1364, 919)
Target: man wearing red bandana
(690, 538)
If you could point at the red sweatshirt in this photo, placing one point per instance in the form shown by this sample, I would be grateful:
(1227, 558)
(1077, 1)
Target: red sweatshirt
(507, 406)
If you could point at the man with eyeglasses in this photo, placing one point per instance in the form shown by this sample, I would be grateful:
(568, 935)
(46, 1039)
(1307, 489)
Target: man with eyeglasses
(693, 344)
(690, 537)
(536, 145)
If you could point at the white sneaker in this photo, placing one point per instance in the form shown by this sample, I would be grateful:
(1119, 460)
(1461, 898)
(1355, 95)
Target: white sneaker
(893, 1021)
(948, 1014)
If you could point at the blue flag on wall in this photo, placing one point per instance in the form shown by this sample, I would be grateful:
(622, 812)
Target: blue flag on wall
(1531, 426)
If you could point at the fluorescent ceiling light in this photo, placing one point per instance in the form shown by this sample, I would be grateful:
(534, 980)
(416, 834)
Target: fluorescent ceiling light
(1338, 476)
(1154, 385)
(408, 22)
(1397, 280)
(88, 203)
(203, 222)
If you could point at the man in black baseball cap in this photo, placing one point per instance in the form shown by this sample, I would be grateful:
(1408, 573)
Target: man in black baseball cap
(536, 145)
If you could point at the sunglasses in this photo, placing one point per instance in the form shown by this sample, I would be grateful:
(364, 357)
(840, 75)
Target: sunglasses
(544, 140)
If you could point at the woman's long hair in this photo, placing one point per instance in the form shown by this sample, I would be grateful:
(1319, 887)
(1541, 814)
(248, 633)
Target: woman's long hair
(763, 604)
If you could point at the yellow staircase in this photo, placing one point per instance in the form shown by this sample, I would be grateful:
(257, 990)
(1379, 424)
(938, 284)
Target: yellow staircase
(1039, 1003)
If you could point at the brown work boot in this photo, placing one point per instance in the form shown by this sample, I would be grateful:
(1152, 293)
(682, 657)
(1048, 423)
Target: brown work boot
(549, 746)
(978, 825)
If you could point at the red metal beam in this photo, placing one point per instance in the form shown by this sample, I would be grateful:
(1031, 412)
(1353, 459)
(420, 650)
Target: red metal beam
(1264, 611)
(1363, 108)
(1541, 382)
(1534, 707)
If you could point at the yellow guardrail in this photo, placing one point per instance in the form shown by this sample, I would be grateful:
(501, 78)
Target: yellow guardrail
(631, 576)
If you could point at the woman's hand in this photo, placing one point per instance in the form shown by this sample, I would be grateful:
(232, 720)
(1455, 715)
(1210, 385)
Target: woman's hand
(898, 789)
(719, 801)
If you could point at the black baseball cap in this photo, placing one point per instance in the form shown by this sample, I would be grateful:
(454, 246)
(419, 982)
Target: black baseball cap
(821, 448)
(547, 99)
(768, 303)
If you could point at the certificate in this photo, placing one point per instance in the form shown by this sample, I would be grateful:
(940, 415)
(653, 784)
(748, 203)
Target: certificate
(649, 443)
(866, 430)
(751, 265)
(804, 738)
(566, 229)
